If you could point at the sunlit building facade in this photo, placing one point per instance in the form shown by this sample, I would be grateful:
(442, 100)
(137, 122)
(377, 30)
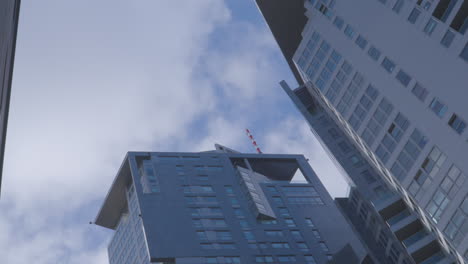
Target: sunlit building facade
(222, 206)
(389, 79)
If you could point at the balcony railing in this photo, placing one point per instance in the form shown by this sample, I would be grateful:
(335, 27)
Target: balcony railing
(415, 238)
(395, 219)
(434, 258)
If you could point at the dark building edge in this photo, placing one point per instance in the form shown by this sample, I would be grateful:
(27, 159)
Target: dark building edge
(8, 90)
(286, 20)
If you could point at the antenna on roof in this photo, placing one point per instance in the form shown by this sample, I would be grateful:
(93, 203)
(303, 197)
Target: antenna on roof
(254, 143)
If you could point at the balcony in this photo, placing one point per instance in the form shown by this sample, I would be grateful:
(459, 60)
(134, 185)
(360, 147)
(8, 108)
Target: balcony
(390, 206)
(408, 242)
(437, 258)
(398, 217)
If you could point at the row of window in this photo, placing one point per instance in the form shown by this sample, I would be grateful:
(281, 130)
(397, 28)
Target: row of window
(402, 77)
(409, 154)
(363, 107)
(429, 168)
(283, 259)
(445, 192)
(441, 13)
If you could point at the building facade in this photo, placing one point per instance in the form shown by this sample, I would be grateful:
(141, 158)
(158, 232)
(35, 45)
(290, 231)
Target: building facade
(389, 78)
(9, 14)
(224, 207)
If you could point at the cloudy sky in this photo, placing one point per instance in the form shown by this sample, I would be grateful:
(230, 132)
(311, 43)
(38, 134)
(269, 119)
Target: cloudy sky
(96, 78)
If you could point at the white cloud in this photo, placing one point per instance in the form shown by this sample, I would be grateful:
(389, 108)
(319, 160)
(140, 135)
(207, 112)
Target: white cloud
(95, 79)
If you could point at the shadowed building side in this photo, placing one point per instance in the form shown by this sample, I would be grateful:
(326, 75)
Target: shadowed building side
(9, 15)
(286, 20)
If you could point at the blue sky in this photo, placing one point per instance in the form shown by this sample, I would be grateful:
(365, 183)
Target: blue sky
(95, 79)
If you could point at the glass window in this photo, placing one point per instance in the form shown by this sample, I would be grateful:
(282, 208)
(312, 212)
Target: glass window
(457, 124)
(310, 259)
(430, 26)
(278, 200)
(228, 189)
(339, 22)
(388, 65)
(398, 5)
(464, 53)
(296, 235)
(438, 107)
(284, 212)
(303, 246)
(309, 222)
(457, 229)
(374, 53)
(420, 92)
(403, 78)
(267, 221)
(274, 233)
(290, 222)
(211, 260)
(288, 259)
(413, 17)
(368, 176)
(324, 246)
(349, 31)
(447, 39)
(264, 259)
(344, 147)
(361, 42)
(248, 235)
(280, 245)
(232, 260)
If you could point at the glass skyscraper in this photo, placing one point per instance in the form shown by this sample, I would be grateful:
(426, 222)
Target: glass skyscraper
(9, 13)
(222, 206)
(383, 85)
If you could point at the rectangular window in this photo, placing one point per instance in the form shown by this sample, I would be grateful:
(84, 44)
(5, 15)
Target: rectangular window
(374, 53)
(339, 22)
(287, 259)
(457, 124)
(296, 235)
(464, 53)
(447, 39)
(303, 247)
(324, 246)
(413, 17)
(403, 78)
(289, 222)
(361, 42)
(267, 222)
(349, 31)
(280, 245)
(274, 233)
(248, 235)
(443, 9)
(438, 107)
(284, 212)
(388, 65)
(263, 259)
(429, 168)
(278, 201)
(309, 222)
(398, 5)
(456, 229)
(430, 26)
(420, 92)
(310, 259)
(460, 21)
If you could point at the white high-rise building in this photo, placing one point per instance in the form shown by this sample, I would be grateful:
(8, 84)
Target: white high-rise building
(392, 75)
